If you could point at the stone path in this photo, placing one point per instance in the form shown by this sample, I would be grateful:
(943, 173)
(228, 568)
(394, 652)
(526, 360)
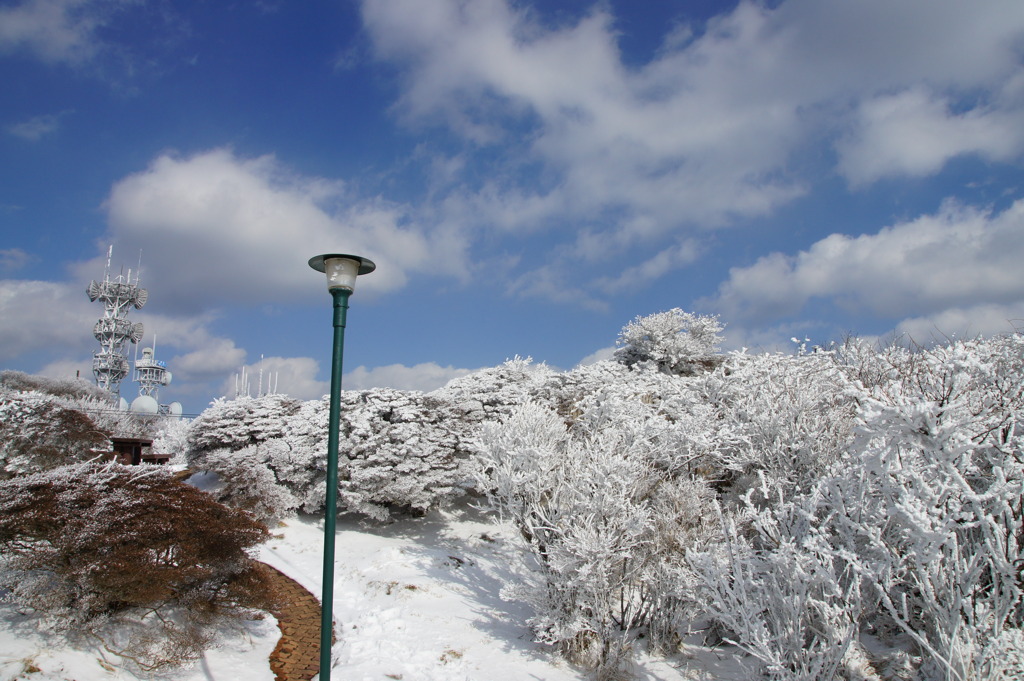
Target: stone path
(297, 655)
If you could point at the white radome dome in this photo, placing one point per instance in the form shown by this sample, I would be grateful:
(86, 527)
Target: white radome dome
(123, 404)
(144, 404)
(174, 409)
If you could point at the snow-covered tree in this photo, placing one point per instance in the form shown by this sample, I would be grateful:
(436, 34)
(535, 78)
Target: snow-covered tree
(677, 342)
(817, 507)
(171, 438)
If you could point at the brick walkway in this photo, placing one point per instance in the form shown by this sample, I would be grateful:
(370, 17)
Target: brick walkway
(297, 655)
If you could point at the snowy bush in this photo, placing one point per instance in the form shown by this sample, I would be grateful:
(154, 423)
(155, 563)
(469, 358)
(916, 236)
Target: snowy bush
(398, 451)
(784, 595)
(37, 432)
(247, 482)
(608, 530)
(868, 521)
(915, 536)
(492, 394)
(237, 423)
(782, 421)
(677, 342)
(941, 502)
(65, 388)
(171, 438)
(129, 557)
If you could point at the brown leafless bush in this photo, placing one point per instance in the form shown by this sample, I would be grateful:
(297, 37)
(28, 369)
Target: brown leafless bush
(144, 564)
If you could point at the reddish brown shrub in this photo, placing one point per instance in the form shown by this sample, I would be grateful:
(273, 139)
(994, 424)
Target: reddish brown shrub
(110, 550)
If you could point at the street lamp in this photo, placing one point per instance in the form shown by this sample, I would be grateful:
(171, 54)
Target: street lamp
(341, 271)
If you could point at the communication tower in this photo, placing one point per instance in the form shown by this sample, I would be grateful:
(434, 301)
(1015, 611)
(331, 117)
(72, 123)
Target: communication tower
(113, 330)
(150, 374)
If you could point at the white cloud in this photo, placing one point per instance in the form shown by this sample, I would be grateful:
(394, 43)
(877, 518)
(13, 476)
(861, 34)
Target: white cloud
(915, 133)
(68, 368)
(52, 30)
(211, 360)
(44, 316)
(775, 337)
(36, 127)
(12, 259)
(960, 257)
(551, 281)
(639, 276)
(647, 140)
(598, 356)
(967, 322)
(227, 229)
(425, 377)
(706, 130)
(297, 377)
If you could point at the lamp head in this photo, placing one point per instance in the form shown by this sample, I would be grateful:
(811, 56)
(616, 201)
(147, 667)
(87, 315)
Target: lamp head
(341, 269)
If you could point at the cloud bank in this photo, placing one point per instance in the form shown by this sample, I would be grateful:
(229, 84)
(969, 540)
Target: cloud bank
(247, 228)
(936, 269)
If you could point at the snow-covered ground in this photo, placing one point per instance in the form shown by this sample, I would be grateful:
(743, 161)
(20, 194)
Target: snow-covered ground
(416, 600)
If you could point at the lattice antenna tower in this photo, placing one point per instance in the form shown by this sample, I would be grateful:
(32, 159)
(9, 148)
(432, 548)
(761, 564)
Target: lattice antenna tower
(113, 330)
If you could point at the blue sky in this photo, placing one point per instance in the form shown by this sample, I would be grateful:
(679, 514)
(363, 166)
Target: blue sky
(528, 177)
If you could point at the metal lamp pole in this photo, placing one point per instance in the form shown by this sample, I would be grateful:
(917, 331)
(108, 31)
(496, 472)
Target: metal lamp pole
(341, 270)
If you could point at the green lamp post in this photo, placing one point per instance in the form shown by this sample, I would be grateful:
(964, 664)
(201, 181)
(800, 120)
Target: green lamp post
(341, 270)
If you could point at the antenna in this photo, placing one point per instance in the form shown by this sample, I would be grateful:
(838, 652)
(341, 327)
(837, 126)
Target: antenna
(113, 330)
(260, 393)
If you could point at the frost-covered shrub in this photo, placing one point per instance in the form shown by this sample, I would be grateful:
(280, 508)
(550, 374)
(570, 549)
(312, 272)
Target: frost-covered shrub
(492, 394)
(398, 450)
(679, 424)
(127, 556)
(941, 503)
(171, 438)
(782, 421)
(608, 530)
(677, 342)
(252, 446)
(247, 481)
(65, 388)
(234, 424)
(915, 534)
(783, 594)
(38, 432)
